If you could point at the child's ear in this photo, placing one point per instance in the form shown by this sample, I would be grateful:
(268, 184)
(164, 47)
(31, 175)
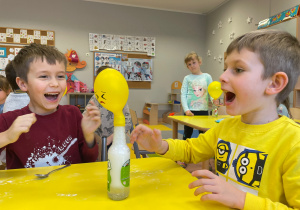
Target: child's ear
(278, 82)
(22, 84)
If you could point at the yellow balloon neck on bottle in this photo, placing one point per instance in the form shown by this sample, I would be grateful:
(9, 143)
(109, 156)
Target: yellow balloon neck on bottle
(119, 119)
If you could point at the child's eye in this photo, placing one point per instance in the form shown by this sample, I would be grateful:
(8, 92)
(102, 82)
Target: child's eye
(61, 76)
(43, 76)
(237, 70)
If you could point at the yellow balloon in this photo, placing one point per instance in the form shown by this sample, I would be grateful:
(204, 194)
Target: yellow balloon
(111, 91)
(65, 91)
(214, 90)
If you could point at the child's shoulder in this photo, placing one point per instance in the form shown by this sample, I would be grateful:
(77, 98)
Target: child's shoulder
(10, 116)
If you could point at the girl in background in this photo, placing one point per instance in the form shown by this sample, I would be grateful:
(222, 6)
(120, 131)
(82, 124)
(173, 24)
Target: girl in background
(4, 91)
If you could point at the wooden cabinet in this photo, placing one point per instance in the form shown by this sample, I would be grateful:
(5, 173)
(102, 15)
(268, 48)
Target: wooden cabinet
(79, 99)
(150, 113)
(150, 110)
(175, 102)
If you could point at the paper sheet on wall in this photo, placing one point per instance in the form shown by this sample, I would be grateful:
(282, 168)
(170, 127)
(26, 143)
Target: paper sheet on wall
(122, 43)
(3, 63)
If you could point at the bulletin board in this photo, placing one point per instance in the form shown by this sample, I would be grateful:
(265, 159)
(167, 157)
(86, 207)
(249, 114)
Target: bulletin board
(26, 36)
(7, 53)
(126, 64)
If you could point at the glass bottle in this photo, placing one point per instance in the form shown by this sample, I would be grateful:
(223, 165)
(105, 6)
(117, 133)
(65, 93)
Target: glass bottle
(118, 171)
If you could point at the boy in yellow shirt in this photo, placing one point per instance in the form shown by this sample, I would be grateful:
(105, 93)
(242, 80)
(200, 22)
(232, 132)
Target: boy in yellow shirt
(257, 152)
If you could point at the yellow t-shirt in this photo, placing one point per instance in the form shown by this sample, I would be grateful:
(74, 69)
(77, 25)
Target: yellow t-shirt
(263, 160)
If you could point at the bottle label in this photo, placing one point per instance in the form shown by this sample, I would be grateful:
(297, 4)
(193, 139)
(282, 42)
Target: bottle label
(125, 173)
(108, 175)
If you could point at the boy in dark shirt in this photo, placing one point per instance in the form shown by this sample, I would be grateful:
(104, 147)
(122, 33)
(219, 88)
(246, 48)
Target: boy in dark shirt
(45, 133)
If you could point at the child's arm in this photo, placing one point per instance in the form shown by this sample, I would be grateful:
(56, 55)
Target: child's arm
(218, 190)
(90, 122)
(21, 125)
(149, 139)
(184, 91)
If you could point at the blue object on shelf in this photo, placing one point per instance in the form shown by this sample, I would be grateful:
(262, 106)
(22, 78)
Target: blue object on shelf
(176, 102)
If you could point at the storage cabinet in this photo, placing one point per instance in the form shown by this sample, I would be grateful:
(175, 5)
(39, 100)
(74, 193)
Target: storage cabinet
(79, 99)
(150, 110)
(150, 113)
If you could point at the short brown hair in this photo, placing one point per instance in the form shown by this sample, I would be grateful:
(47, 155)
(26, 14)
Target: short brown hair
(101, 68)
(4, 85)
(192, 55)
(30, 53)
(11, 76)
(278, 51)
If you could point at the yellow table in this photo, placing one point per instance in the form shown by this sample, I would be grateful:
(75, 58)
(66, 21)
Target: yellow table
(156, 183)
(202, 123)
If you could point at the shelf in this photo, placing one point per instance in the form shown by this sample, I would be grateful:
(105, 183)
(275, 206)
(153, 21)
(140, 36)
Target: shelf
(79, 99)
(146, 112)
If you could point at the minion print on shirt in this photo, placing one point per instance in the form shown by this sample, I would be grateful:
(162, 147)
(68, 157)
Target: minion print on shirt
(248, 167)
(223, 154)
(241, 166)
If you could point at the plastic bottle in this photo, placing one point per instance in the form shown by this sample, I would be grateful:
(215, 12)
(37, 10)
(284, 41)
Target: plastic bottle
(118, 171)
(215, 111)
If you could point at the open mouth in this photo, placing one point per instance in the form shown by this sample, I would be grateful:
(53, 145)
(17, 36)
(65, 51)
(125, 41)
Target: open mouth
(51, 96)
(229, 97)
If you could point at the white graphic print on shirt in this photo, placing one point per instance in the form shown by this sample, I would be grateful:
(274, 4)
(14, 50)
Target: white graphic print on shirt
(51, 155)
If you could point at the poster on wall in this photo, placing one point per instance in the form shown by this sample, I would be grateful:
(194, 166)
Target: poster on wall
(134, 67)
(137, 69)
(107, 59)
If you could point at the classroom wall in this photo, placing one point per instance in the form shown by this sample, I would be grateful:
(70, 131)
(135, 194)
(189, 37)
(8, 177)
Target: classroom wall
(72, 20)
(239, 11)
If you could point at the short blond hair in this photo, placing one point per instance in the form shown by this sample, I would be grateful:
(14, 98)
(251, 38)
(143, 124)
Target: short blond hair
(192, 55)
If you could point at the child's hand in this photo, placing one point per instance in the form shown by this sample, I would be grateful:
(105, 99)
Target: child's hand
(21, 125)
(90, 121)
(218, 189)
(150, 140)
(189, 113)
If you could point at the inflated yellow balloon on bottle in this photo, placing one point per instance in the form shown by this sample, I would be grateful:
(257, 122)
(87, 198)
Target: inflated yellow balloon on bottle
(214, 90)
(111, 90)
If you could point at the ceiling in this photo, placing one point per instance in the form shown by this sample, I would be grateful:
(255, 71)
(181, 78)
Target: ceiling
(185, 6)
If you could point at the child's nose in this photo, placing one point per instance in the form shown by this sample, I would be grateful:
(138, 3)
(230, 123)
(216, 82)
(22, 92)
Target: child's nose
(223, 77)
(54, 82)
